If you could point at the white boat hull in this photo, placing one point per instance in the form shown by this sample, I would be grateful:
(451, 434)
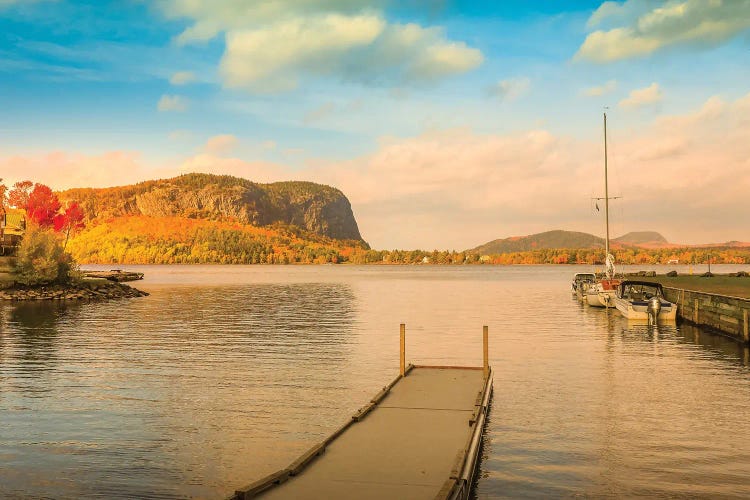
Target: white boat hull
(600, 298)
(639, 310)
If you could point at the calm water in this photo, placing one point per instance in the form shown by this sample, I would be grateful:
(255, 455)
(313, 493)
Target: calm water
(225, 374)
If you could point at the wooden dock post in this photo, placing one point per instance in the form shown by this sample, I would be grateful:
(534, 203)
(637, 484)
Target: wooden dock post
(403, 350)
(745, 328)
(695, 312)
(485, 350)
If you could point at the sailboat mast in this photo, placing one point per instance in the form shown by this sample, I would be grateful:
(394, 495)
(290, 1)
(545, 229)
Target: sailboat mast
(606, 193)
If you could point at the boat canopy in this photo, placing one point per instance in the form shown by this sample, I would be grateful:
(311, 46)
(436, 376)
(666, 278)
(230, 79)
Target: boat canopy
(639, 290)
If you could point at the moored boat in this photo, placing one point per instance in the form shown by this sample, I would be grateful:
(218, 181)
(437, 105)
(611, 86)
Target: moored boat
(602, 292)
(644, 300)
(581, 283)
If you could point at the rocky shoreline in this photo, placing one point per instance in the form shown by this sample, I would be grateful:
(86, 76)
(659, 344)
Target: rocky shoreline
(87, 290)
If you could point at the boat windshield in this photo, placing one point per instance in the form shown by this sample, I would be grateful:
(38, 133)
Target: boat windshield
(641, 291)
(585, 277)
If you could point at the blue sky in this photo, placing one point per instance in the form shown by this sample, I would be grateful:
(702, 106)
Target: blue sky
(363, 95)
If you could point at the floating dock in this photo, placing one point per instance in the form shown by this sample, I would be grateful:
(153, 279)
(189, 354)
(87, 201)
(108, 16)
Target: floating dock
(418, 438)
(117, 275)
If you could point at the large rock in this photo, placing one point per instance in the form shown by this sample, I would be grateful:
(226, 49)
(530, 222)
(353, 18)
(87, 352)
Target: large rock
(314, 207)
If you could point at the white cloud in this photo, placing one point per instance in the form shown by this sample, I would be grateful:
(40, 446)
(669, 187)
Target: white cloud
(511, 89)
(271, 46)
(642, 97)
(443, 59)
(220, 144)
(640, 28)
(182, 78)
(601, 90)
(172, 103)
(456, 182)
(62, 170)
(211, 17)
(270, 59)
(458, 188)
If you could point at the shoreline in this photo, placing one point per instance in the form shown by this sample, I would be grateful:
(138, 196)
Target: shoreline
(89, 290)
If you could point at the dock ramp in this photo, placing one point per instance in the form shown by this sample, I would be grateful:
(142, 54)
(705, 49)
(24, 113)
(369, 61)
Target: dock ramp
(418, 438)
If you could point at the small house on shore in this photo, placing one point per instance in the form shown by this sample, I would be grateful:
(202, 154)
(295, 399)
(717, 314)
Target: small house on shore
(12, 229)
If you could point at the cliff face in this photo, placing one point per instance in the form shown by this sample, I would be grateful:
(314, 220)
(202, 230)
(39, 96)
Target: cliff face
(314, 207)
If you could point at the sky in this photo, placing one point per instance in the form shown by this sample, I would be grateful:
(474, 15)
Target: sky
(447, 123)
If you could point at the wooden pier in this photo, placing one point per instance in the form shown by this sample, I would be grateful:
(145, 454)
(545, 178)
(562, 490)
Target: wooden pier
(418, 438)
(117, 275)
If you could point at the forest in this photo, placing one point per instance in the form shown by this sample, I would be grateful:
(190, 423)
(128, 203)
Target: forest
(178, 240)
(141, 239)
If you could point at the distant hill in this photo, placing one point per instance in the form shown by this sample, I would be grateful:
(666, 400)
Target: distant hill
(548, 239)
(737, 244)
(319, 209)
(568, 239)
(642, 238)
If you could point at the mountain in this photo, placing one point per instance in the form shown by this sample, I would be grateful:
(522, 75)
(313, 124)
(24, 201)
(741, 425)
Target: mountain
(642, 239)
(548, 239)
(568, 239)
(316, 208)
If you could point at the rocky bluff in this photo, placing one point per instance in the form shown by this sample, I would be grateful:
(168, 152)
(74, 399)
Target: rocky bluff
(314, 207)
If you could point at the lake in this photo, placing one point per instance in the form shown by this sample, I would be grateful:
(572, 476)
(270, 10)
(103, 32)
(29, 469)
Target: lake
(227, 373)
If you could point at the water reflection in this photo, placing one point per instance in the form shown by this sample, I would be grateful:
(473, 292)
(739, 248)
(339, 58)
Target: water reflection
(225, 374)
(34, 326)
(172, 396)
(721, 347)
(638, 410)
(712, 345)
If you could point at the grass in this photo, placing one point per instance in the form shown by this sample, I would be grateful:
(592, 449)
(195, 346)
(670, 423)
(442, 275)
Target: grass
(719, 284)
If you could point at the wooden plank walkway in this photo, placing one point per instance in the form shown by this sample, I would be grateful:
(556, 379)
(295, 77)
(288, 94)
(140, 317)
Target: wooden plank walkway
(418, 438)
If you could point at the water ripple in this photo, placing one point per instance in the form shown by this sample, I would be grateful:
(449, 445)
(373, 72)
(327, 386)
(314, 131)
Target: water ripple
(224, 374)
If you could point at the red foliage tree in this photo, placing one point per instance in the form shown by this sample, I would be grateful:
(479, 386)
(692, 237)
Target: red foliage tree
(18, 197)
(3, 192)
(70, 220)
(42, 206)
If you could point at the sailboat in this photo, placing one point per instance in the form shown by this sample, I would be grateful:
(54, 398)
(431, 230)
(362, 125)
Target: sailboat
(602, 292)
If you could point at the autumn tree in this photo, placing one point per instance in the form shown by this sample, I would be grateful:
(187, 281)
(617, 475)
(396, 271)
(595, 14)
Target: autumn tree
(3, 195)
(70, 220)
(41, 259)
(42, 206)
(18, 197)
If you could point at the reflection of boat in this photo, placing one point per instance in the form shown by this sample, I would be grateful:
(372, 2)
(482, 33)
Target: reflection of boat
(602, 292)
(644, 300)
(581, 283)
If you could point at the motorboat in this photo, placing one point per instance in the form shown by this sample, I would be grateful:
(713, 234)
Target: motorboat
(581, 283)
(644, 300)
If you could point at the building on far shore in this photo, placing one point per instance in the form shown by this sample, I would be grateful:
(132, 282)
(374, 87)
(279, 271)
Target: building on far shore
(12, 229)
